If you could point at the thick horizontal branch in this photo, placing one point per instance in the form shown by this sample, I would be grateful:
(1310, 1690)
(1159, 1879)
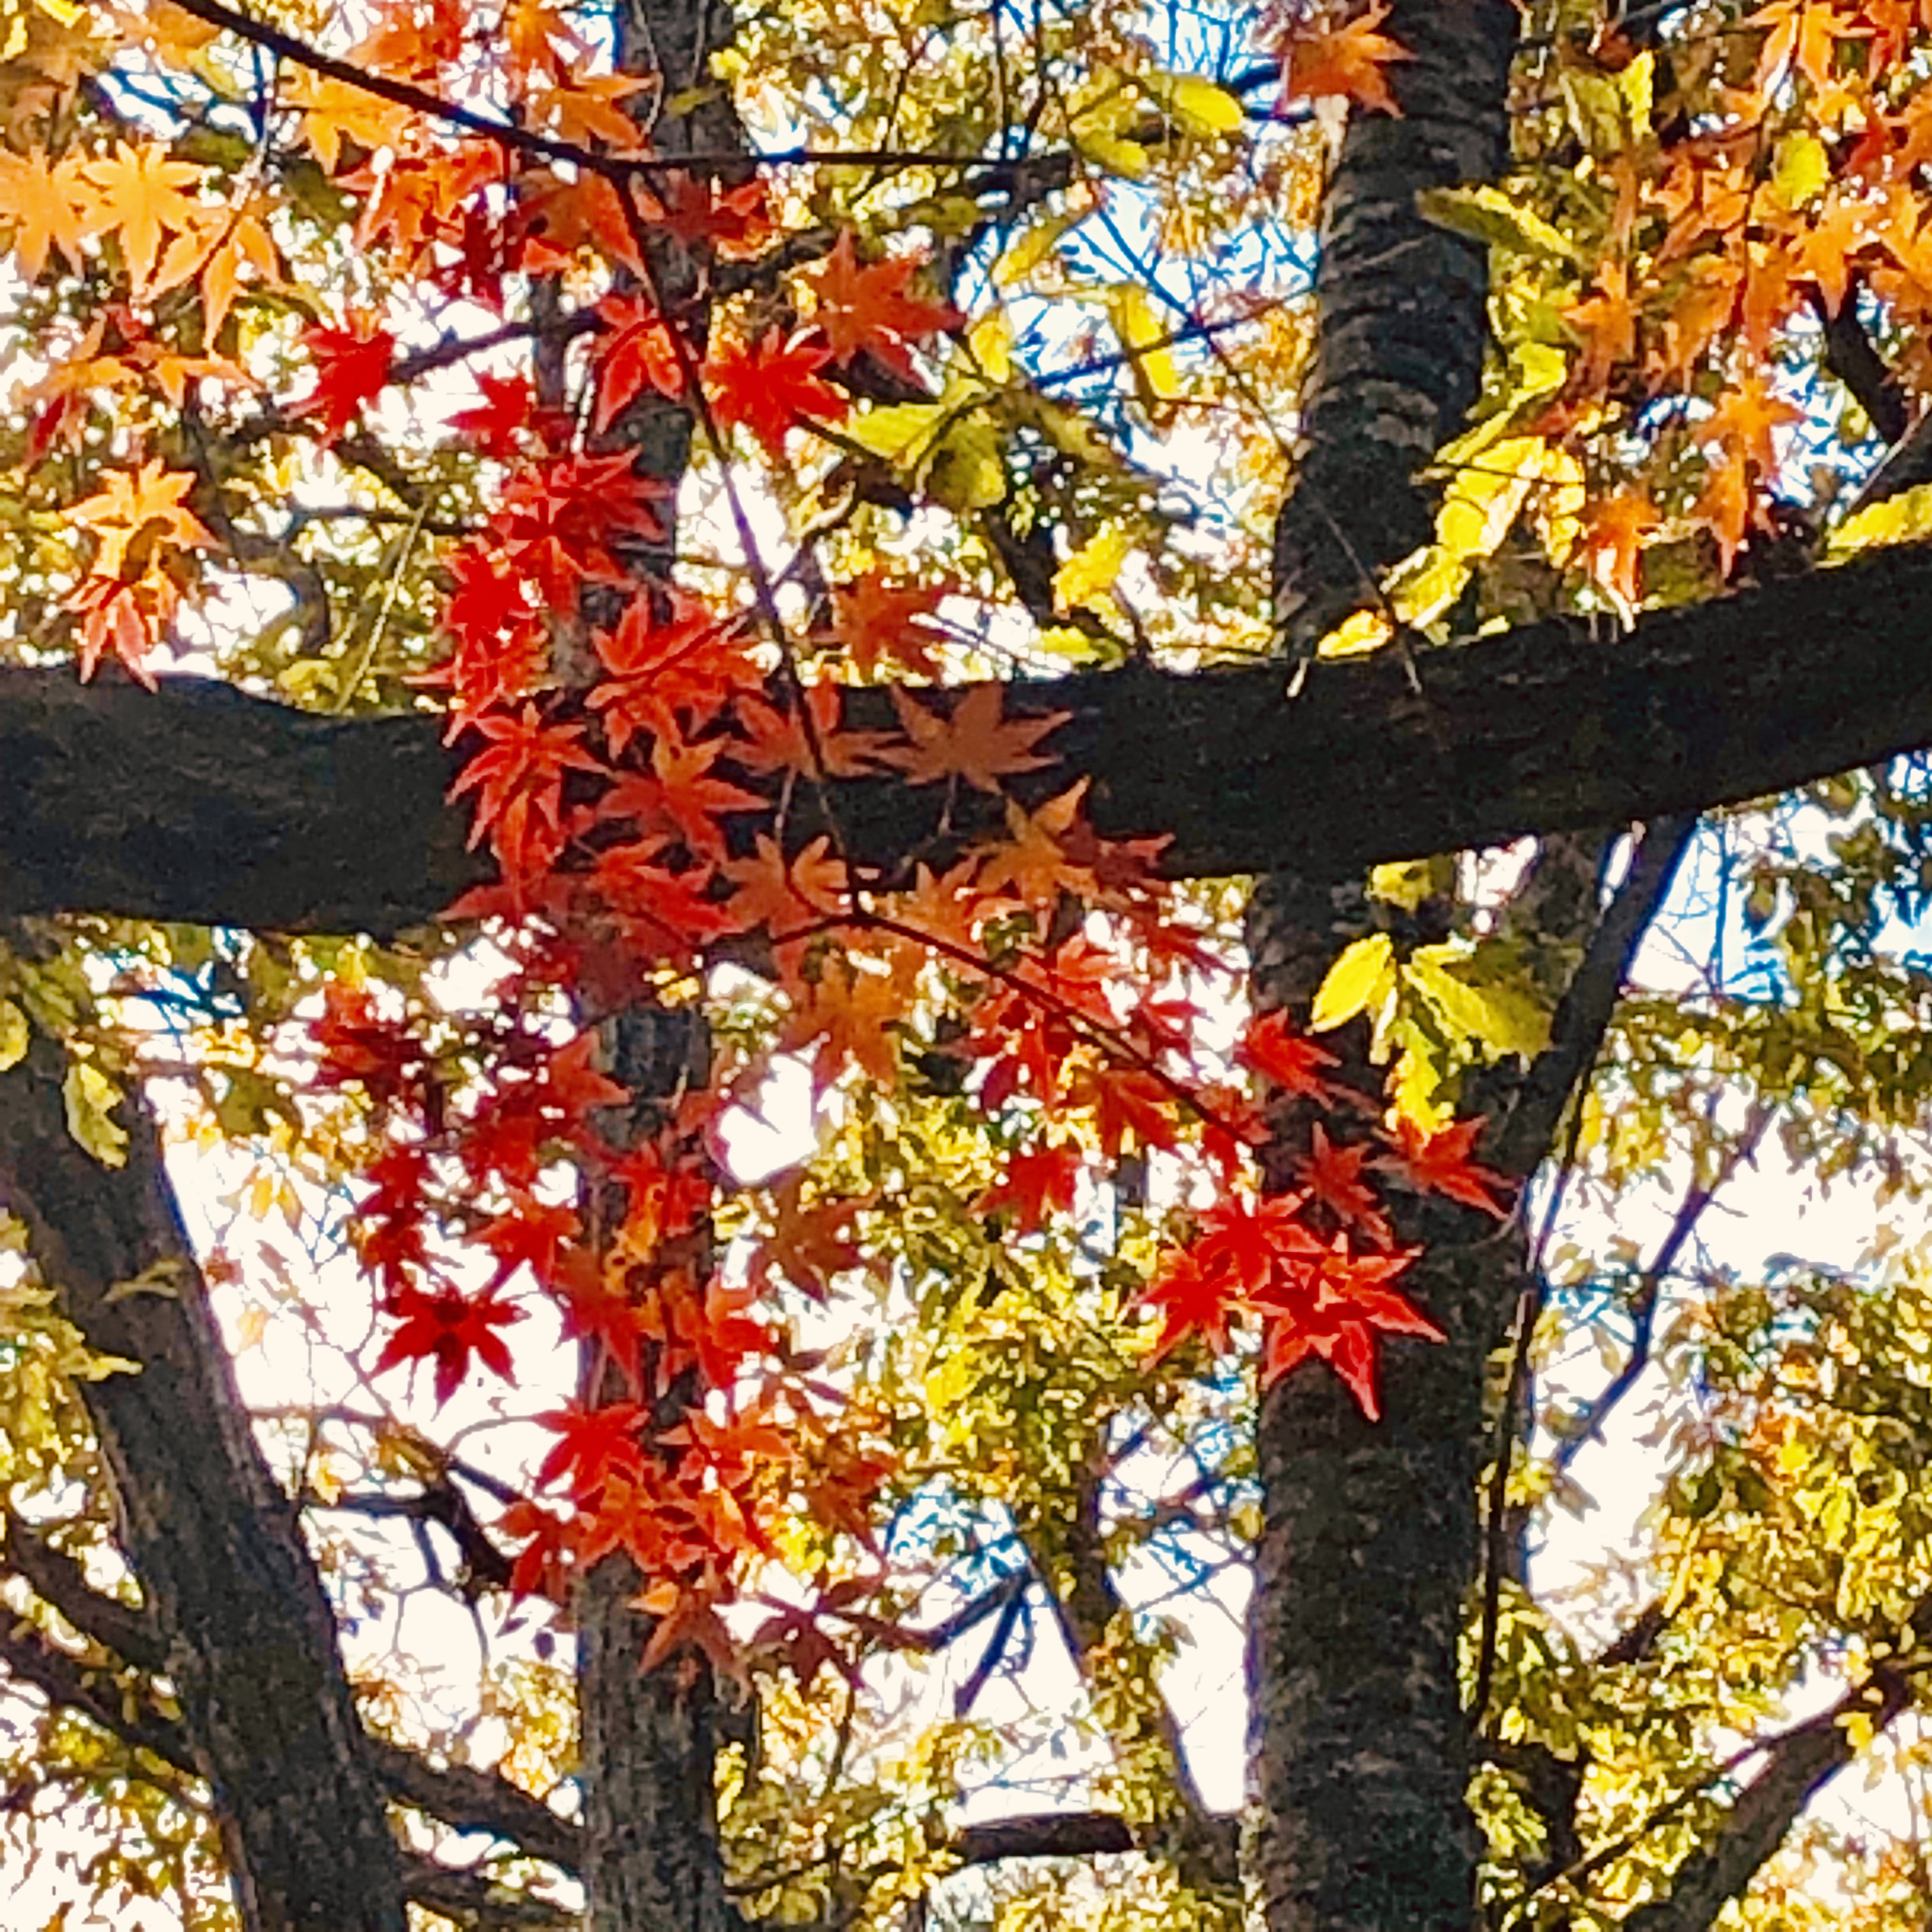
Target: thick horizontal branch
(202, 805)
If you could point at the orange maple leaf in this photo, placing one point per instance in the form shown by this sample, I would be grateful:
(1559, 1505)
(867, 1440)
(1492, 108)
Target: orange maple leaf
(879, 621)
(146, 507)
(137, 193)
(869, 310)
(974, 740)
(1346, 61)
(1614, 528)
(42, 200)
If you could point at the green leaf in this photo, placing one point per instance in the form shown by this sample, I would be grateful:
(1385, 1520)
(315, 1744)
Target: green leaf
(1488, 214)
(1363, 976)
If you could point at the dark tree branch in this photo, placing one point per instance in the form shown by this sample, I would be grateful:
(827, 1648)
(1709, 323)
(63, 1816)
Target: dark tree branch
(1585, 1009)
(1851, 356)
(1585, 1428)
(203, 805)
(28, 1655)
(473, 1903)
(56, 1578)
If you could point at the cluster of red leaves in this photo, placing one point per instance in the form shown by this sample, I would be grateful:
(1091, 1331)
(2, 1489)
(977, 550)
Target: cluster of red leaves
(637, 815)
(638, 821)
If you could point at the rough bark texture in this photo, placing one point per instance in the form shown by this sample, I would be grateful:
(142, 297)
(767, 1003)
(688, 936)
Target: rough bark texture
(1368, 1543)
(650, 1738)
(1401, 319)
(203, 805)
(250, 1641)
(1361, 1749)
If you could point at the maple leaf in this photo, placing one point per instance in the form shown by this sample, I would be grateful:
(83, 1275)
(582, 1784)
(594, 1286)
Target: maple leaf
(669, 658)
(1332, 1176)
(1440, 1163)
(733, 220)
(1335, 1308)
(1035, 861)
(1614, 530)
(1287, 1059)
(1037, 1178)
(771, 387)
(1190, 1301)
(352, 368)
(780, 896)
(1347, 61)
(881, 622)
(123, 615)
(518, 778)
(809, 1246)
(869, 310)
(147, 506)
(448, 1327)
(591, 1444)
(972, 740)
(640, 350)
(498, 424)
(1245, 1244)
(776, 739)
(137, 192)
(43, 201)
(531, 1235)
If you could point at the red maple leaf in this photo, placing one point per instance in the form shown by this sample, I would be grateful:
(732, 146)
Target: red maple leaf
(1332, 1176)
(1334, 1308)
(448, 1327)
(868, 310)
(1246, 1243)
(771, 386)
(639, 350)
(1286, 1059)
(498, 424)
(352, 368)
(1190, 1301)
(1439, 1163)
(1037, 1179)
(591, 1444)
(519, 782)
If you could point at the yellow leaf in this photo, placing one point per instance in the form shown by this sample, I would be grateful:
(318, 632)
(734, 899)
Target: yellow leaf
(1801, 169)
(15, 1036)
(1033, 247)
(1487, 214)
(897, 432)
(1904, 518)
(1144, 333)
(991, 344)
(90, 1098)
(1117, 156)
(1363, 976)
(1087, 577)
(1198, 105)
(1356, 635)
(967, 471)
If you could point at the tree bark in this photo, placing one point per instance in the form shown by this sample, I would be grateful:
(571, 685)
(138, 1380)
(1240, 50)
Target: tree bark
(249, 1636)
(202, 805)
(1361, 1746)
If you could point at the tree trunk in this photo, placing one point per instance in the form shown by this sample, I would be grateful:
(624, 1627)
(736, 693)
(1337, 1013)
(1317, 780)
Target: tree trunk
(249, 1634)
(1369, 1539)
